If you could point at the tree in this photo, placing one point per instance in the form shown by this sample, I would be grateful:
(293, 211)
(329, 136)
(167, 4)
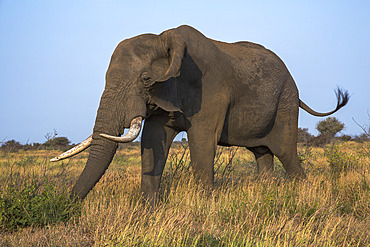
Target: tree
(304, 136)
(330, 126)
(57, 143)
(365, 129)
(11, 146)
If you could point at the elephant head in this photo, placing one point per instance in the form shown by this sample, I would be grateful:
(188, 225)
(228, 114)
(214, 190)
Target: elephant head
(139, 67)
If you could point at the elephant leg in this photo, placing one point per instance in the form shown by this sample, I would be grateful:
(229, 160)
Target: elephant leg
(265, 160)
(155, 144)
(283, 139)
(291, 163)
(202, 152)
(286, 150)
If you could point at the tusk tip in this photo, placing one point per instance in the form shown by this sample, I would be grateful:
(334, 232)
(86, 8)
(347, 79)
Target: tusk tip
(104, 135)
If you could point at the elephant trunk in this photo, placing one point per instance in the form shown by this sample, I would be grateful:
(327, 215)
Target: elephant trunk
(111, 120)
(101, 155)
(101, 150)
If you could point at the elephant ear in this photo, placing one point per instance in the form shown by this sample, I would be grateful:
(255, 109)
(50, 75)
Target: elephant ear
(165, 92)
(166, 95)
(175, 48)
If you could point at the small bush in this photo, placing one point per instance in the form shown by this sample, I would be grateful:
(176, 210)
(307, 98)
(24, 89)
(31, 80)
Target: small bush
(344, 138)
(362, 138)
(339, 162)
(36, 203)
(322, 140)
(304, 136)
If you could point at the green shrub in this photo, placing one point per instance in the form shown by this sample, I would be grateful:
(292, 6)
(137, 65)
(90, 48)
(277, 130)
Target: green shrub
(35, 203)
(339, 162)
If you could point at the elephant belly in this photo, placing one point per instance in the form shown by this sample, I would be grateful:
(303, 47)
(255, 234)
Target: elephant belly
(253, 109)
(246, 123)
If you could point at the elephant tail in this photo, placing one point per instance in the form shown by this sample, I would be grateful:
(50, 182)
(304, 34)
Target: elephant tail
(342, 100)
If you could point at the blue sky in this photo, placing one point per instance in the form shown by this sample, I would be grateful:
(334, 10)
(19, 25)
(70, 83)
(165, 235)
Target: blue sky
(54, 54)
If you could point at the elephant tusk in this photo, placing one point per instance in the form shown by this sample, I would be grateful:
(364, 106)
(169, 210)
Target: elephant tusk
(131, 135)
(73, 151)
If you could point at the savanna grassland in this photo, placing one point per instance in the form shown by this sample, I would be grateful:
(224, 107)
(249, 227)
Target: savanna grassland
(330, 208)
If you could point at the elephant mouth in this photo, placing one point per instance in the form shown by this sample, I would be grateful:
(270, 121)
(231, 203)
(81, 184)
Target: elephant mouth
(131, 135)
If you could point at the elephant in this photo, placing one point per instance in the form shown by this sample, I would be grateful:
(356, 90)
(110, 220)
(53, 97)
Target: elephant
(228, 94)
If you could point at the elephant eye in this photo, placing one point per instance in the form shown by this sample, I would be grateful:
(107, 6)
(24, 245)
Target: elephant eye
(145, 77)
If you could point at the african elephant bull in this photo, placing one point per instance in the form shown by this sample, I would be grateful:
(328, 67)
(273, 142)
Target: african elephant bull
(230, 94)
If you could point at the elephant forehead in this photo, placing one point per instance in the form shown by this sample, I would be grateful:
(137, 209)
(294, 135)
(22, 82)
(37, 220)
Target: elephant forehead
(135, 58)
(125, 63)
(140, 46)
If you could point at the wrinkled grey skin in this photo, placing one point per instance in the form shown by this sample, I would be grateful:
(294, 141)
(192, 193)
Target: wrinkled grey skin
(238, 94)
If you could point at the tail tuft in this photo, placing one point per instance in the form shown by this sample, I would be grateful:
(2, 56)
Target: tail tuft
(342, 98)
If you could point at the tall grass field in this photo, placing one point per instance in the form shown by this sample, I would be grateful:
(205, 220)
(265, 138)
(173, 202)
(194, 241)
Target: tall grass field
(330, 208)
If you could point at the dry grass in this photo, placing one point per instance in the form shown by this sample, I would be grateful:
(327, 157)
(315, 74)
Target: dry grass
(242, 210)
